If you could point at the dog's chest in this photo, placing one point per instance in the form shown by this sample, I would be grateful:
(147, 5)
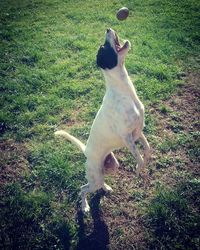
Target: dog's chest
(122, 111)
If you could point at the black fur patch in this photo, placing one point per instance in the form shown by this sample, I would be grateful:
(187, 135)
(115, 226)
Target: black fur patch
(106, 57)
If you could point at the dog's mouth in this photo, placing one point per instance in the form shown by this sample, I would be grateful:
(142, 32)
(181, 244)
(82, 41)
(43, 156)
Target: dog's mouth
(118, 46)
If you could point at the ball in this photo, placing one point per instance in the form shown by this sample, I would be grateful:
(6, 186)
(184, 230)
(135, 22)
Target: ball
(122, 13)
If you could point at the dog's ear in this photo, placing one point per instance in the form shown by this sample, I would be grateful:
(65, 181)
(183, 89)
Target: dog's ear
(106, 57)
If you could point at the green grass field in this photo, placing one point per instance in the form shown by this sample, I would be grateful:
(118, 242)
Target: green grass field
(49, 80)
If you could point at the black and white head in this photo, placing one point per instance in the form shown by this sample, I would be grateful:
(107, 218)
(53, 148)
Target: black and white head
(112, 53)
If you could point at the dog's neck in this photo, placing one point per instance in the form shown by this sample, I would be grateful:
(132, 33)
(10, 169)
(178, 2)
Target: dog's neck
(118, 79)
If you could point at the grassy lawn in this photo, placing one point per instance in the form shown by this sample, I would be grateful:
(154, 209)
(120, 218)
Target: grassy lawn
(49, 80)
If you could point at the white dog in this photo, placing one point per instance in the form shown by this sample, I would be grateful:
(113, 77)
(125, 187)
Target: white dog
(118, 123)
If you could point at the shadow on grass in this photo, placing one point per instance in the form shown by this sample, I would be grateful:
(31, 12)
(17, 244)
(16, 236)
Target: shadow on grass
(99, 238)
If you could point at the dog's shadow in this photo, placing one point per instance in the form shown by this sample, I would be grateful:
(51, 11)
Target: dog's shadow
(99, 238)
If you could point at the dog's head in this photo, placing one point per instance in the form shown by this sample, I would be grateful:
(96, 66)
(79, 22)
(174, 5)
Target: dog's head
(112, 53)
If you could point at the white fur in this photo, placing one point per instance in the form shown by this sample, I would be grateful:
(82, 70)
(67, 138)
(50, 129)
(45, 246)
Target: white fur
(118, 123)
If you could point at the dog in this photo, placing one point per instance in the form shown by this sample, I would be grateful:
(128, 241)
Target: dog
(118, 123)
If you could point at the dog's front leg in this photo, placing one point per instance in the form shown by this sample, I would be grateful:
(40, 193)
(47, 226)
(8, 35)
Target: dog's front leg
(145, 144)
(130, 144)
(107, 188)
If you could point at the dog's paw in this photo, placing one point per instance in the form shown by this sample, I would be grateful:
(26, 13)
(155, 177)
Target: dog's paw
(107, 188)
(138, 171)
(85, 208)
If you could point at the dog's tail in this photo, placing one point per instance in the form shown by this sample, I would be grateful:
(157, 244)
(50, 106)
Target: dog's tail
(71, 138)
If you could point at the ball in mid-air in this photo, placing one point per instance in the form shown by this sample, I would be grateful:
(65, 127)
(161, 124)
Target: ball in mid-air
(122, 13)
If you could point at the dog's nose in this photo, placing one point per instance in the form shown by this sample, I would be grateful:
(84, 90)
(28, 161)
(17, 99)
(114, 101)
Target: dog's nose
(108, 30)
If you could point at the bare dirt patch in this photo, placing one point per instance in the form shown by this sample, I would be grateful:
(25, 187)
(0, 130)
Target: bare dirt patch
(13, 162)
(185, 103)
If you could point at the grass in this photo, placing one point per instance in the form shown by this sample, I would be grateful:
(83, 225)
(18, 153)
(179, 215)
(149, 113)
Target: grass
(49, 79)
(172, 220)
(33, 219)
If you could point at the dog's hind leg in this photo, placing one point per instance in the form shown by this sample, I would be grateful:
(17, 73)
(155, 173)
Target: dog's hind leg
(84, 190)
(129, 141)
(94, 175)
